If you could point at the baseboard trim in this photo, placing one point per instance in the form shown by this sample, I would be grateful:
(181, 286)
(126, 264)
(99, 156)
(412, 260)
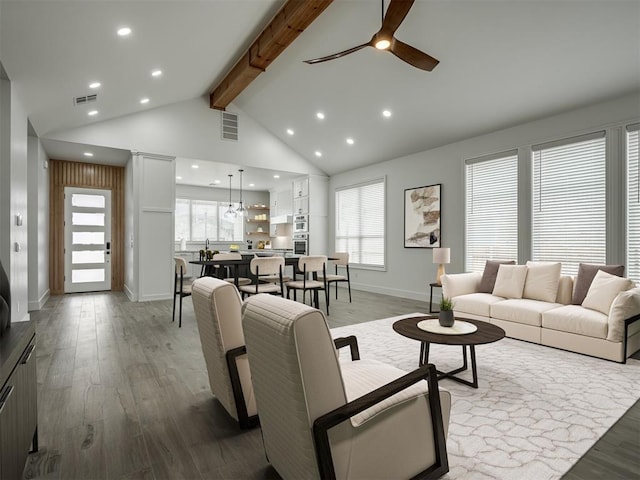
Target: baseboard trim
(37, 305)
(153, 297)
(394, 292)
(129, 293)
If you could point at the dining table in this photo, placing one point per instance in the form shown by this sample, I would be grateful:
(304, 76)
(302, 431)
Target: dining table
(240, 268)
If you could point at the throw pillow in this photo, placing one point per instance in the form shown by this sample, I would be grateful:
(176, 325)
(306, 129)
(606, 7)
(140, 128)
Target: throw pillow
(603, 290)
(586, 272)
(542, 281)
(510, 281)
(488, 280)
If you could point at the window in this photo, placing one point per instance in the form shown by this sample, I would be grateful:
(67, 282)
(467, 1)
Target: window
(491, 210)
(360, 223)
(197, 220)
(633, 203)
(569, 202)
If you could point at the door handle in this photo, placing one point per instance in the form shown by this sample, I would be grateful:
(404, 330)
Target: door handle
(108, 248)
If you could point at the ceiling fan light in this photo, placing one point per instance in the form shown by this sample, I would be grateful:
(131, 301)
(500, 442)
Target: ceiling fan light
(382, 44)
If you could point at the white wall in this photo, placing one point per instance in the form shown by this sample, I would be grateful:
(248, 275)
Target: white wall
(38, 228)
(18, 260)
(154, 204)
(409, 271)
(191, 129)
(5, 170)
(130, 272)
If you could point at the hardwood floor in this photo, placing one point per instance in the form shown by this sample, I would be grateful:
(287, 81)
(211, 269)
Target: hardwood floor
(123, 394)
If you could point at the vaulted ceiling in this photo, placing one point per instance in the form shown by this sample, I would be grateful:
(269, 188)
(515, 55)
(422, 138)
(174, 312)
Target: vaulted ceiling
(502, 63)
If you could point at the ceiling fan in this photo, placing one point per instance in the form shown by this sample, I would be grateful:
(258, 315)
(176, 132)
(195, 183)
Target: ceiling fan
(384, 39)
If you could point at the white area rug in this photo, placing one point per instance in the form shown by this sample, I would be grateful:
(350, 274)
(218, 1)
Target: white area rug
(537, 409)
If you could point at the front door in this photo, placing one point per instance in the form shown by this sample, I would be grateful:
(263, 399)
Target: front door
(87, 240)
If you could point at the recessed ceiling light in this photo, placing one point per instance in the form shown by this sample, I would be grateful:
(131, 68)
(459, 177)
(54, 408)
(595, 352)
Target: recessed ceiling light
(216, 182)
(320, 115)
(88, 154)
(252, 184)
(318, 153)
(195, 166)
(386, 113)
(156, 73)
(91, 113)
(144, 100)
(124, 31)
(276, 176)
(94, 85)
(350, 141)
(178, 177)
(290, 132)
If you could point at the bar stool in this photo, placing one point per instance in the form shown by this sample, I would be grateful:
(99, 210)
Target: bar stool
(180, 288)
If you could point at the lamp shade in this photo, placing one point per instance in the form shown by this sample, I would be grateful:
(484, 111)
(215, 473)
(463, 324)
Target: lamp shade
(441, 255)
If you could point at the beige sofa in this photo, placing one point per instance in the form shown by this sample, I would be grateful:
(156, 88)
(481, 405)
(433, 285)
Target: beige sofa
(613, 336)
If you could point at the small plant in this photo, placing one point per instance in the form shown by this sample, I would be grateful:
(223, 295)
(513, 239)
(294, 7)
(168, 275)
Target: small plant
(446, 304)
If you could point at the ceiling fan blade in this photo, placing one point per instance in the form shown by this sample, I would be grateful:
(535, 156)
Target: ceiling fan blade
(396, 11)
(337, 55)
(413, 56)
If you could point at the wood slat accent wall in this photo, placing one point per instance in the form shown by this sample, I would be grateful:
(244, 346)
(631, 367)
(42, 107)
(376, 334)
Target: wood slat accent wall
(84, 175)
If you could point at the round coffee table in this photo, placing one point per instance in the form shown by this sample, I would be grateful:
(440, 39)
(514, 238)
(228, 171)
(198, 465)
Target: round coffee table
(486, 333)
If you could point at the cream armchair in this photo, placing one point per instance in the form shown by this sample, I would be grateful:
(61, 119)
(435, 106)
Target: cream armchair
(217, 308)
(322, 418)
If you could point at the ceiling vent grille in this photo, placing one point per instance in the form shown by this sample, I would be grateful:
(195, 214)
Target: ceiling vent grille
(230, 126)
(85, 99)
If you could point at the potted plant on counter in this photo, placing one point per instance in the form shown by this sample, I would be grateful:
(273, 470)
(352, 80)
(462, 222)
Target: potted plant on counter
(445, 317)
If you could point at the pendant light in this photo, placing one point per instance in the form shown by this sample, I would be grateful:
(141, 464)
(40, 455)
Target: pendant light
(241, 210)
(230, 213)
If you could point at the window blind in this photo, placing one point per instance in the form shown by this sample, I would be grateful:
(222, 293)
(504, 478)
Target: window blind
(633, 203)
(569, 202)
(183, 220)
(491, 211)
(360, 223)
(198, 220)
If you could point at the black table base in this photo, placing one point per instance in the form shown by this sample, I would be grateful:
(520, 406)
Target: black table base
(424, 360)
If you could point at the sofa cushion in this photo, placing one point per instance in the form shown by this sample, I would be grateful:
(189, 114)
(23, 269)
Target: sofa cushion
(510, 281)
(604, 288)
(460, 283)
(576, 319)
(625, 305)
(475, 303)
(488, 280)
(586, 272)
(542, 281)
(521, 310)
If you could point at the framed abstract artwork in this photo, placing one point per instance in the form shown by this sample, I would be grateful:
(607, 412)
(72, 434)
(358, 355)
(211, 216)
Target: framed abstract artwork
(422, 207)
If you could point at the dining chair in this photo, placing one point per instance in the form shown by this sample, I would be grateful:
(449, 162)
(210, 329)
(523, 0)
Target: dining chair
(265, 266)
(312, 266)
(180, 288)
(339, 259)
(232, 256)
(329, 418)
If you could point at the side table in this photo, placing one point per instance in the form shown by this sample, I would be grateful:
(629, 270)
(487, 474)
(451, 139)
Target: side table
(431, 287)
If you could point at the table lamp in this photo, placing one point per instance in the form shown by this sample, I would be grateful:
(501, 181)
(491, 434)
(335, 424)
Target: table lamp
(441, 256)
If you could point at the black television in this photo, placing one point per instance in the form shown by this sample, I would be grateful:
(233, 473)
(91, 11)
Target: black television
(5, 301)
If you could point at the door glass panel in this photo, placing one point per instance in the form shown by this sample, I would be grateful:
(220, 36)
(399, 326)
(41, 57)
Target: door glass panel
(87, 238)
(82, 200)
(93, 219)
(87, 256)
(85, 276)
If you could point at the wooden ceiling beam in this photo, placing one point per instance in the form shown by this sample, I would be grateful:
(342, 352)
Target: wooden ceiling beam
(289, 22)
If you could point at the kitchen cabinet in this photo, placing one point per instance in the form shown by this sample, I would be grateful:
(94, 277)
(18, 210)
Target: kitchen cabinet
(311, 198)
(18, 398)
(311, 195)
(280, 203)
